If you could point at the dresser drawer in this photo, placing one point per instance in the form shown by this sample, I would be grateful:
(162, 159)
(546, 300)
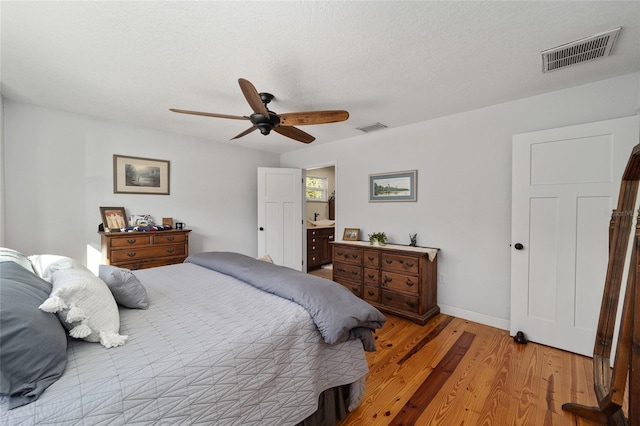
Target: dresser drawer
(168, 239)
(400, 301)
(348, 254)
(371, 276)
(400, 263)
(354, 287)
(347, 271)
(371, 259)
(405, 283)
(371, 293)
(147, 253)
(130, 241)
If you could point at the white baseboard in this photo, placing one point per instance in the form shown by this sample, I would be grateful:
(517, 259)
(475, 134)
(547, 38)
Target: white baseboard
(475, 317)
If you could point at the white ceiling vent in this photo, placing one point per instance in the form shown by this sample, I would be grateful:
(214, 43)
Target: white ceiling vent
(584, 50)
(372, 127)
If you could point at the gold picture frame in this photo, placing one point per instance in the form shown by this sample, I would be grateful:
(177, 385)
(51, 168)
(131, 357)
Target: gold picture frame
(351, 234)
(113, 218)
(138, 175)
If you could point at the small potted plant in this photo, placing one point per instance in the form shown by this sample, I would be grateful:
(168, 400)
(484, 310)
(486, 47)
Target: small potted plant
(378, 239)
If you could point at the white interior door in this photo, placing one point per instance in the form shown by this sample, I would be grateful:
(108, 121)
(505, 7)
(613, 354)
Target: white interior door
(280, 215)
(565, 183)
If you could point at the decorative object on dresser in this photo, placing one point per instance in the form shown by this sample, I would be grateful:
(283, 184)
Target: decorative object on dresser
(396, 186)
(140, 250)
(413, 238)
(378, 239)
(318, 246)
(351, 234)
(398, 279)
(113, 218)
(137, 175)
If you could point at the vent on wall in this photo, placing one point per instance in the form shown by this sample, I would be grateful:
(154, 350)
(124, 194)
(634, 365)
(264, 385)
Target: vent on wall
(583, 50)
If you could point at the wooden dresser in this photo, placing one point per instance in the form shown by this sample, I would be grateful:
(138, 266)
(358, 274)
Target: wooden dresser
(401, 280)
(318, 246)
(140, 250)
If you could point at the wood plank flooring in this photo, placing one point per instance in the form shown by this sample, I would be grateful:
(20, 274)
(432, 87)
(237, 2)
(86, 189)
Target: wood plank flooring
(453, 372)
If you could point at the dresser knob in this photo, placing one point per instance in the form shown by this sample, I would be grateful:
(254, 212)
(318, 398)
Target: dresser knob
(411, 305)
(389, 261)
(131, 254)
(170, 238)
(387, 279)
(170, 251)
(410, 264)
(370, 293)
(409, 283)
(371, 258)
(132, 241)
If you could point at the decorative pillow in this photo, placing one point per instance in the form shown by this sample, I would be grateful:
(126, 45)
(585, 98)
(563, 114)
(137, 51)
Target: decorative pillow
(266, 258)
(85, 307)
(46, 264)
(7, 254)
(125, 286)
(34, 343)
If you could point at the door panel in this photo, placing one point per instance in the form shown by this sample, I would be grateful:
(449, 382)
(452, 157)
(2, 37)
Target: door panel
(280, 215)
(565, 183)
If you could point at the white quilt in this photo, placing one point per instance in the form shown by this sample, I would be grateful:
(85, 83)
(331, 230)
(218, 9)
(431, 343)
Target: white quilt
(207, 351)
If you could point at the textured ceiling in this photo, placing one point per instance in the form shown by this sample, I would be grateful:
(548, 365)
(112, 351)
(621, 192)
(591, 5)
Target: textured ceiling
(391, 62)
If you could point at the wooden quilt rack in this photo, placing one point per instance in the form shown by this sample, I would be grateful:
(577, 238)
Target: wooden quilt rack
(610, 383)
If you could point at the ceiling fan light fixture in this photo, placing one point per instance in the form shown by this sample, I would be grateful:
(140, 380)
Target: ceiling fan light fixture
(372, 127)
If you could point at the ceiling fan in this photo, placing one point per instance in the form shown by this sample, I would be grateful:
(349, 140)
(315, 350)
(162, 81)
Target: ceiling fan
(266, 120)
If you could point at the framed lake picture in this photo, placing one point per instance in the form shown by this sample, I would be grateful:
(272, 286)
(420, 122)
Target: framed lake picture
(396, 186)
(136, 175)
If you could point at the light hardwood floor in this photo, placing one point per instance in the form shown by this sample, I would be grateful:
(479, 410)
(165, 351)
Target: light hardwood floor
(494, 382)
(453, 372)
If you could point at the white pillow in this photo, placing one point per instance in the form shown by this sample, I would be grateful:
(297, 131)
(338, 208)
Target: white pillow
(11, 255)
(85, 307)
(45, 265)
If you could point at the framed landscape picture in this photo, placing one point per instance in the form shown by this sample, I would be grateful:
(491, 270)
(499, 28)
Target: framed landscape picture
(137, 175)
(396, 186)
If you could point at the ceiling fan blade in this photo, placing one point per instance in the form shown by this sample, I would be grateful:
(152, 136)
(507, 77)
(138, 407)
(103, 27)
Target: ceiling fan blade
(209, 114)
(253, 97)
(295, 133)
(312, 117)
(246, 132)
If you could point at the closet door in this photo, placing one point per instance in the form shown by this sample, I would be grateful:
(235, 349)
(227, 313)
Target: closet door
(565, 183)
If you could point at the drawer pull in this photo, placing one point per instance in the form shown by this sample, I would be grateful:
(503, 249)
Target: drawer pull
(339, 253)
(340, 270)
(410, 264)
(389, 298)
(409, 283)
(171, 238)
(355, 289)
(354, 272)
(371, 276)
(370, 293)
(412, 305)
(131, 254)
(132, 241)
(170, 251)
(387, 279)
(389, 261)
(401, 261)
(371, 258)
(355, 256)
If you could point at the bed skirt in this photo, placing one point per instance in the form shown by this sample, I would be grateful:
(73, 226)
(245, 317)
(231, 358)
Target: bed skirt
(332, 405)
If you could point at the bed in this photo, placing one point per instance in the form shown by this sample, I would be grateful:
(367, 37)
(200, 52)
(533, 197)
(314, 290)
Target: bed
(221, 343)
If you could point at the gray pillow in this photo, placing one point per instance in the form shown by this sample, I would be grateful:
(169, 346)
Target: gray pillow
(125, 287)
(34, 343)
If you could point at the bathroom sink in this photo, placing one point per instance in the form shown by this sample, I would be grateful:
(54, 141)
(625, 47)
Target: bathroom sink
(322, 222)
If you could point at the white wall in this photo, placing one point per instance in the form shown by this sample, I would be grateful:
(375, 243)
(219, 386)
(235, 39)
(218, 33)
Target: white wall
(464, 185)
(2, 212)
(59, 171)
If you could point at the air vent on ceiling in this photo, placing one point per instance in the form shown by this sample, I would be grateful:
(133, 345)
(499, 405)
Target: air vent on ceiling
(372, 127)
(583, 50)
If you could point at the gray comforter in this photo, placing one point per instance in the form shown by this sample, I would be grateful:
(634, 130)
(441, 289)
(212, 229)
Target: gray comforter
(210, 350)
(338, 314)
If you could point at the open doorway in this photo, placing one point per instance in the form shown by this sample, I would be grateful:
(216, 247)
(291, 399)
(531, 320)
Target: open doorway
(320, 218)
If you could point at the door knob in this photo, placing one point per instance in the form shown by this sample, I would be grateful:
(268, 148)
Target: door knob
(518, 246)
(261, 228)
